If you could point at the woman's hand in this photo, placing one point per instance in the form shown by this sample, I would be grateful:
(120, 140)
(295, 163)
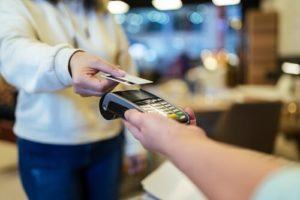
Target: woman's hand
(84, 67)
(157, 132)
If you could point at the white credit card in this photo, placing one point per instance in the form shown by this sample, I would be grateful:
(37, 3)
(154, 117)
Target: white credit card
(127, 79)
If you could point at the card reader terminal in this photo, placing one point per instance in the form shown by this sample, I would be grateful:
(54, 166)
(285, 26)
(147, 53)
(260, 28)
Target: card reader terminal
(114, 104)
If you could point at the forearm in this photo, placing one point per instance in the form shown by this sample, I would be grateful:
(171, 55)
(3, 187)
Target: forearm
(221, 171)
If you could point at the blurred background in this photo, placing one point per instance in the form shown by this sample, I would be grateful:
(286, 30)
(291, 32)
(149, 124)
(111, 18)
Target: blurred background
(235, 62)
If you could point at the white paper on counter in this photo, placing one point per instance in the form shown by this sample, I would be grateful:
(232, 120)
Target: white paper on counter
(169, 183)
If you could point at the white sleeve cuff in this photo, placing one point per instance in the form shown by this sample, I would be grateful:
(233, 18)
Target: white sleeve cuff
(61, 65)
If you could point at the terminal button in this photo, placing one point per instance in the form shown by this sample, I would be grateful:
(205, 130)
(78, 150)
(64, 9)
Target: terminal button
(182, 118)
(172, 116)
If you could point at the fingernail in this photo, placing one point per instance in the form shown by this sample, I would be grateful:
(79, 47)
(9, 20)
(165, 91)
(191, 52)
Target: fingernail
(126, 114)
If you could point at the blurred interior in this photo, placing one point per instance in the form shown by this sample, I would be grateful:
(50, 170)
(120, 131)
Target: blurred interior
(236, 66)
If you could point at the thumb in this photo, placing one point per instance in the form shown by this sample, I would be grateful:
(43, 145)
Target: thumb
(108, 68)
(134, 117)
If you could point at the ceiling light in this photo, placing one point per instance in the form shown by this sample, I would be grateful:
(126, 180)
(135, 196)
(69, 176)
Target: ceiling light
(196, 18)
(226, 2)
(167, 4)
(118, 7)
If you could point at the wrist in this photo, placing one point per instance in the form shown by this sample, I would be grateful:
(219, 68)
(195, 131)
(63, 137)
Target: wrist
(173, 138)
(61, 63)
(184, 137)
(73, 60)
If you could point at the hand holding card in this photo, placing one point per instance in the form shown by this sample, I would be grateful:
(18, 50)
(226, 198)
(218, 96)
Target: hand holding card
(84, 68)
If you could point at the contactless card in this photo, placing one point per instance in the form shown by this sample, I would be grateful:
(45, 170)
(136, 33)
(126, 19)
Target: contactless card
(110, 77)
(127, 79)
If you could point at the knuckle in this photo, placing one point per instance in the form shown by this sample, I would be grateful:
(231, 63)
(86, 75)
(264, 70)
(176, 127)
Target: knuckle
(98, 89)
(77, 90)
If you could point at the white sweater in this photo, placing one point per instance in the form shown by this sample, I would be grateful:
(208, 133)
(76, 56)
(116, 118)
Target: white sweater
(36, 41)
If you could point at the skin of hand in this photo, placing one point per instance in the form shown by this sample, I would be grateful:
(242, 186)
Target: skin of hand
(220, 171)
(83, 68)
(138, 163)
(147, 128)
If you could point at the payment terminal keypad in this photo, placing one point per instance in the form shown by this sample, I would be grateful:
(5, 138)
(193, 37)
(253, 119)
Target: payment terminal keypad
(113, 105)
(162, 107)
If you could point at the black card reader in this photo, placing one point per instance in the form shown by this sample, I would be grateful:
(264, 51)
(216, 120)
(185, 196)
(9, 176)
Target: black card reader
(113, 105)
